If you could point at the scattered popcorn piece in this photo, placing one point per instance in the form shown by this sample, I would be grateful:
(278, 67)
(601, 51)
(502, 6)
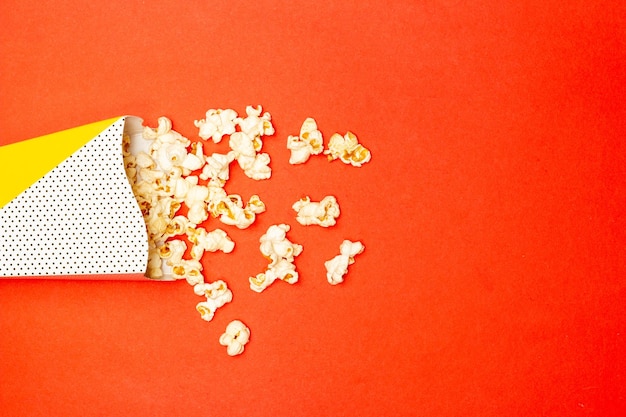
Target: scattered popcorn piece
(159, 215)
(247, 143)
(194, 160)
(164, 133)
(347, 149)
(256, 125)
(170, 155)
(243, 149)
(283, 270)
(259, 169)
(172, 251)
(190, 270)
(195, 200)
(211, 290)
(235, 337)
(217, 167)
(169, 148)
(255, 166)
(310, 142)
(179, 187)
(276, 246)
(281, 253)
(211, 241)
(232, 212)
(337, 267)
(323, 213)
(177, 226)
(217, 294)
(216, 124)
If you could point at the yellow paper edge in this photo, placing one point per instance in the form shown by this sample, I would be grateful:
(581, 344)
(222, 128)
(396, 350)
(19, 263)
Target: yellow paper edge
(24, 163)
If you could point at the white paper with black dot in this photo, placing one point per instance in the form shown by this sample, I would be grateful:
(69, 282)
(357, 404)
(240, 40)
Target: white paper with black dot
(81, 218)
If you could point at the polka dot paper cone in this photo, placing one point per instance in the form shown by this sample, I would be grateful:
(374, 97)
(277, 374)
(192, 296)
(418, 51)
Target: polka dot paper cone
(67, 208)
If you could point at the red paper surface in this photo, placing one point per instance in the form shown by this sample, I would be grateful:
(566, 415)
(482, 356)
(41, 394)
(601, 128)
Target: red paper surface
(492, 211)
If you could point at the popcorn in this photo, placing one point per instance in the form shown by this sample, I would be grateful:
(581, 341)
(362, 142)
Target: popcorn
(212, 290)
(211, 241)
(170, 155)
(177, 226)
(243, 148)
(217, 294)
(235, 337)
(161, 179)
(247, 143)
(337, 267)
(231, 211)
(169, 148)
(255, 166)
(172, 251)
(150, 175)
(216, 124)
(276, 246)
(255, 125)
(281, 253)
(195, 200)
(310, 142)
(217, 195)
(194, 160)
(143, 160)
(259, 169)
(282, 270)
(179, 187)
(197, 213)
(190, 270)
(323, 213)
(156, 223)
(164, 133)
(154, 269)
(125, 145)
(217, 167)
(130, 164)
(347, 149)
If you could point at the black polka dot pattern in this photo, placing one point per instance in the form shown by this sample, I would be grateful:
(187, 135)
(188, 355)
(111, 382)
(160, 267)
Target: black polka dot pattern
(80, 218)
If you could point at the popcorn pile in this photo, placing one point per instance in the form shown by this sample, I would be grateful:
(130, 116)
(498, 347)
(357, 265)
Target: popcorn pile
(168, 172)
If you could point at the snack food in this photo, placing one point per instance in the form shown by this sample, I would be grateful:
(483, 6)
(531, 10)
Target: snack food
(235, 337)
(323, 213)
(337, 267)
(217, 294)
(348, 149)
(309, 142)
(281, 253)
(171, 172)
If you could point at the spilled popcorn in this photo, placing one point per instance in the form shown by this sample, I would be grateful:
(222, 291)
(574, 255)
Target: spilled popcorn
(217, 294)
(348, 149)
(281, 253)
(235, 337)
(323, 213)
(216, 124)
(180, 188)
(309, 142)
(337, 267)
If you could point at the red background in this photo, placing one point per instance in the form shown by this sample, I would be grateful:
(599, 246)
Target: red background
(492, 211)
